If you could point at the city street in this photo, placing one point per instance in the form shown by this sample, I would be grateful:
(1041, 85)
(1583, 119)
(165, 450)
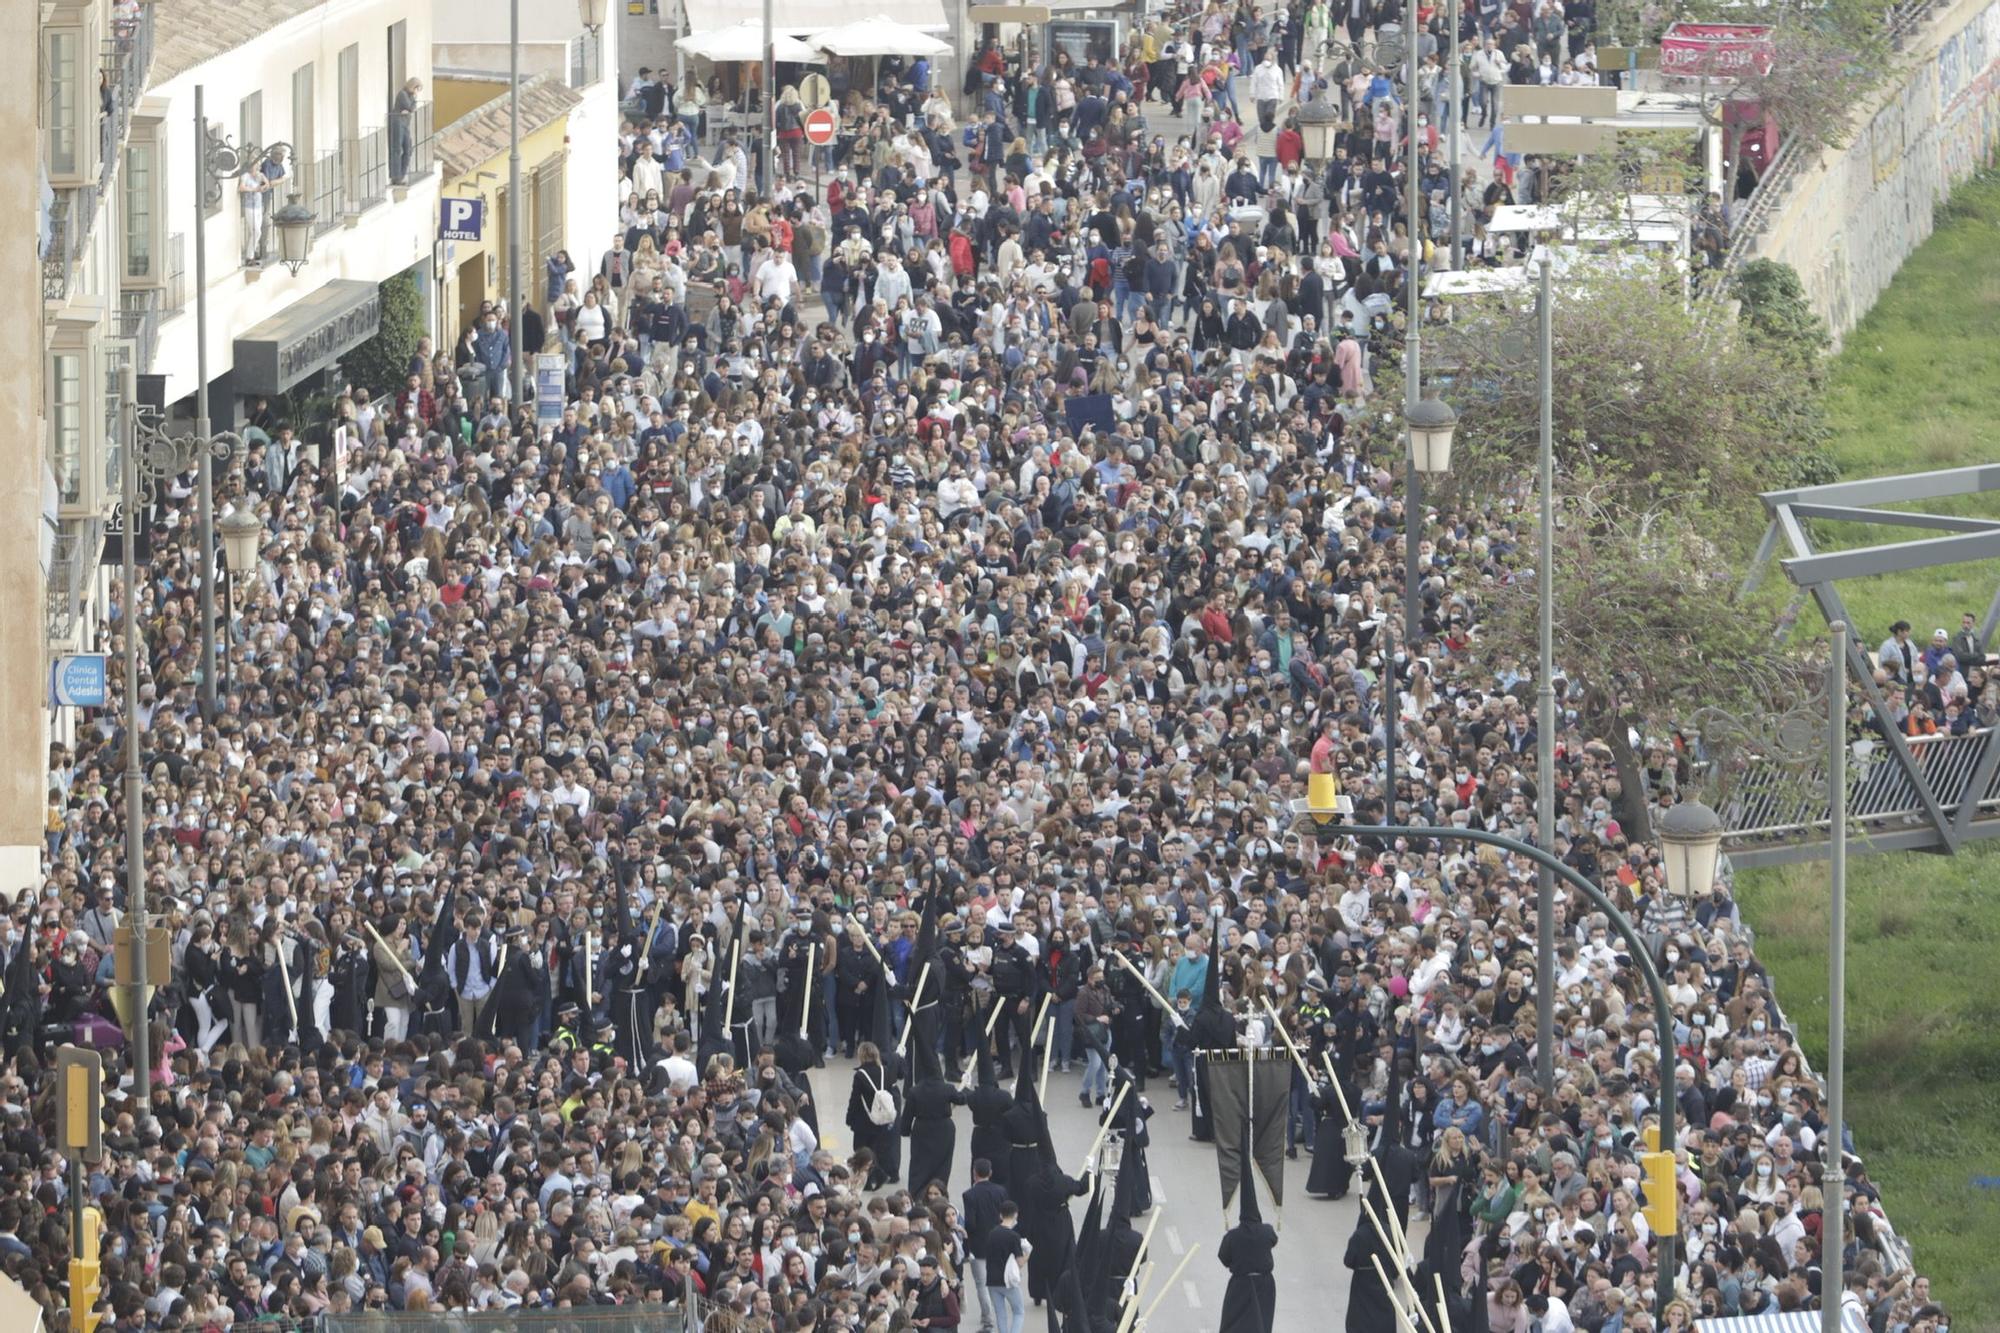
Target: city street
(1312, 1233)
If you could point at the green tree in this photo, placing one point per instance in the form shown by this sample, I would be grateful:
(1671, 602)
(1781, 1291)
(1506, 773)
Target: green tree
(380, 364)
(1652, 395)
(1790, 338)
(1668, 420)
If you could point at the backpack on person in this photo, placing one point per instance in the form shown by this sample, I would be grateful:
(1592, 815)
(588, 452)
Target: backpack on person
(881, 1105)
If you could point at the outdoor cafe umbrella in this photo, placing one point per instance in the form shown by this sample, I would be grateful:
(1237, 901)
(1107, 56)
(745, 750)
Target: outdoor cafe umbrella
(878, 36)
(745, 42)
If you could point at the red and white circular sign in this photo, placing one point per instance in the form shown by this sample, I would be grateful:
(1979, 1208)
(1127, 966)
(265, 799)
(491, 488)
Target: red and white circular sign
(820, 126)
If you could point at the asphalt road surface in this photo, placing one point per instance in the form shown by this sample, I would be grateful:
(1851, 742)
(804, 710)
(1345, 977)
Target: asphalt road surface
(1312, 1233)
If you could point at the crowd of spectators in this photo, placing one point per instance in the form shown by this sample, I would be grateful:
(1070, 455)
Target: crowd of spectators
(1007, 521)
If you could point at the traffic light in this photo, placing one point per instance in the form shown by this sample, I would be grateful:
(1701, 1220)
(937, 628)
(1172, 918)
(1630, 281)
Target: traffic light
(83, 1290)
(1662, 1210)
(80, 1103)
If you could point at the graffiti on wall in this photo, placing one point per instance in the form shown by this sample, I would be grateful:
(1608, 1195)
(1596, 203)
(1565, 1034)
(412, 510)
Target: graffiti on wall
(1873, 204)
(1965, 56)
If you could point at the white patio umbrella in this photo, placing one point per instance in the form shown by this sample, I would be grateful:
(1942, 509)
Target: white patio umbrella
(878, 36)
(745, 41)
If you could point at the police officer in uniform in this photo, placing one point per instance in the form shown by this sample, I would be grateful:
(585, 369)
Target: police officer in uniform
(568, 1026)
(1013, 984)
(955, 993)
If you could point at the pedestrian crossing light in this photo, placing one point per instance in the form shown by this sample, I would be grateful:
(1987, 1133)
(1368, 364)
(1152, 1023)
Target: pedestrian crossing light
(1662, 1210)
(83, 1288)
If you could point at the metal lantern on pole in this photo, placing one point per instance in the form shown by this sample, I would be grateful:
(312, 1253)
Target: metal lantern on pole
(242, 531)
(1319, 128)
(1690, 837)
(1431, 423)
(294, 225)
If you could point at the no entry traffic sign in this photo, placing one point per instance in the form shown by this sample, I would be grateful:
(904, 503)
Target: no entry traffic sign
(820, 126)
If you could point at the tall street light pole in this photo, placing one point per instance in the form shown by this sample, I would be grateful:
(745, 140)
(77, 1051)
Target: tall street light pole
(766, 134)
(1412, 343)
(218, 160)
(1428, 426)
(135, 798)
(516, 358)
(1456, 93)
(1412, 401)
(1833, 1176)
(206, 469)
(1545, 707)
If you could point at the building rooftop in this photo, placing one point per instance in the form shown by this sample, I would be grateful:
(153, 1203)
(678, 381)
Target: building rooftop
(187, 32)
(481, 135)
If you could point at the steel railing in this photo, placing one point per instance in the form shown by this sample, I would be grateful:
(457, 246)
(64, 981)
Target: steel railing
(1772, 803)
(126, 56)
(70, 220)
(1747, 228)
(139, 313)
(173, 295)
(74, 558)
(423, 143)
(586, 59)
(324, 188)
(367, 169)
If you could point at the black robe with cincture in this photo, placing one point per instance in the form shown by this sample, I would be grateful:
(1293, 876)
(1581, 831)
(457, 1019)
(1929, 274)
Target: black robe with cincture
(1331, 1173)
(927, 1122)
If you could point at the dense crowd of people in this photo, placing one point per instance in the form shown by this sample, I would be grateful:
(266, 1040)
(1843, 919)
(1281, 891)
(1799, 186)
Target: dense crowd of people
(1005, 528)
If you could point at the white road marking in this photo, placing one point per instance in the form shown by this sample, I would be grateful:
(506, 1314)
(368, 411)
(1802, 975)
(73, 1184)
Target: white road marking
(1159, 1194)
(1192, 1292)
(1174, 1241)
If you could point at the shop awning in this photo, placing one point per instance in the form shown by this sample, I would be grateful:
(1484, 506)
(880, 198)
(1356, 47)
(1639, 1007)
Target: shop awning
(801, 18)
(1791, 1321)
(306, 336)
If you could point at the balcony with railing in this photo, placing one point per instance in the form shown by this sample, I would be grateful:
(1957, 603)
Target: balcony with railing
(74, 559)
(140, 311)
(586, 59)
(70, 219)
(423, 147)
(126, 57)
(367, 170)
(323, 188)
(173, 296)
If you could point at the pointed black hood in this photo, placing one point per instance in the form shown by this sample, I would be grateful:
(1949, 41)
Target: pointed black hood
(1212, 1027)
(1392, 1107)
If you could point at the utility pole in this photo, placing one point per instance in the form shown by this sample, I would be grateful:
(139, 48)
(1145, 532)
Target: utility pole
(516, 358)
(206, 468)
(1456, 92)
(766, 145)
(140, 1034)
(1833, 1175)
(1545, 706)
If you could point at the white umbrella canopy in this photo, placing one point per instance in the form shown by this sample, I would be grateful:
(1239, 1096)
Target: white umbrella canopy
(745, 41)
(878, 36)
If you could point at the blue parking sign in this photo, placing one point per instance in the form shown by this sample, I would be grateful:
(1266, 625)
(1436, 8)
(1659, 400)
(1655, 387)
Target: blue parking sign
(460, 219)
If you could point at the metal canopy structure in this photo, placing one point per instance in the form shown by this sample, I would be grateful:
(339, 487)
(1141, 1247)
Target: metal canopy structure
(1925, 793)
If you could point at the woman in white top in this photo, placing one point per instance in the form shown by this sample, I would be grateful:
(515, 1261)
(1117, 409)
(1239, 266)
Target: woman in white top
(591, 325)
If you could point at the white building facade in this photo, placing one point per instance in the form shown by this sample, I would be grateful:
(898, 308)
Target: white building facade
(471, 35)
(321, 79)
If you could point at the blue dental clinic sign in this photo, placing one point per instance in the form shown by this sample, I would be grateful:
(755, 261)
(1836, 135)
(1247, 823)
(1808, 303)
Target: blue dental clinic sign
(77, 682)
(460, 219)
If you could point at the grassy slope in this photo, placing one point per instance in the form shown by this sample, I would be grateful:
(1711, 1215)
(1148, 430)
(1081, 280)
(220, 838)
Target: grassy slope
(1916, 386)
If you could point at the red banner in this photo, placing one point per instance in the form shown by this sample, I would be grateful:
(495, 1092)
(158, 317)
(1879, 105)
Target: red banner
(1721, 50)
